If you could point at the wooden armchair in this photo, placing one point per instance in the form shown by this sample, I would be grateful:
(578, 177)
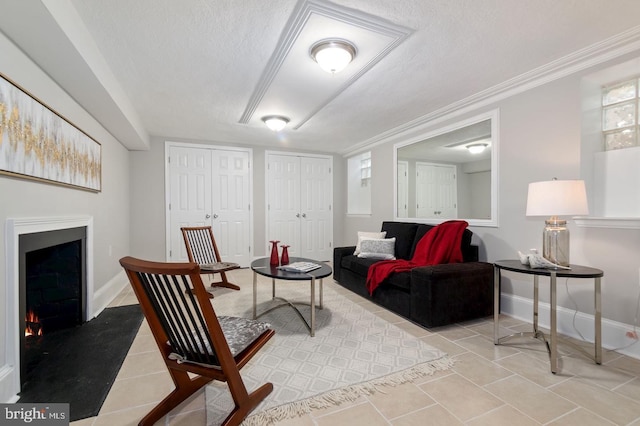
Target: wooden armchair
(202, 249)
(192, 339)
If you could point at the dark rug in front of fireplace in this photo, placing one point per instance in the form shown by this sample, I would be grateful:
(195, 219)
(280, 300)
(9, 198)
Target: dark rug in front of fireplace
(79, 364)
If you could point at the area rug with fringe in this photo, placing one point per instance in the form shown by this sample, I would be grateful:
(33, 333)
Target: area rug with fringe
(354, 353)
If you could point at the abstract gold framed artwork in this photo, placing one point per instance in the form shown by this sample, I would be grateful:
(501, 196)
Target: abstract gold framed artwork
(38, 143)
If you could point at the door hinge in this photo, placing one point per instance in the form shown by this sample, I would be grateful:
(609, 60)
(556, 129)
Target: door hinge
(169, 159)
(169, 206)
(170, 253)
(329, 207)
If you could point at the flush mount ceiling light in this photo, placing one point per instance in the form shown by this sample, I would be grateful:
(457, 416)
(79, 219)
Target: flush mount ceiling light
(275, 122)
(333, 55)
(476, 148)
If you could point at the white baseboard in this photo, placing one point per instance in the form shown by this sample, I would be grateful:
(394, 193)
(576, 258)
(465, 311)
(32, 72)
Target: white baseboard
(105, 295)
(613, 332)
(8, 379)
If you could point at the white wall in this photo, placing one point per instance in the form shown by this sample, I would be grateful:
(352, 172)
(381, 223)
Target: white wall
(148, 201)
(20, 198)
(540, 138)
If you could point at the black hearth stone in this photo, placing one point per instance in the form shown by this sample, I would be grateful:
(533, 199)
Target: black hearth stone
(80, 364)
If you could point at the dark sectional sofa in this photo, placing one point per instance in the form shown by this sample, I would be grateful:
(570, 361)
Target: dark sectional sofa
(428, 295)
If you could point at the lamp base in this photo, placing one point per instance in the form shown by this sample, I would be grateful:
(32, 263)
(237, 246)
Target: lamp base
(555, 242)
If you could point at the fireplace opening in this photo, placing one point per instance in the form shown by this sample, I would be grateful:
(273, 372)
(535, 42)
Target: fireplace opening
(52, 292)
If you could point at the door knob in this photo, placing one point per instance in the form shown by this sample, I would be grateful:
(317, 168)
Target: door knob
(298, 215)
(304, 215)
(207, 216)
(215, 216)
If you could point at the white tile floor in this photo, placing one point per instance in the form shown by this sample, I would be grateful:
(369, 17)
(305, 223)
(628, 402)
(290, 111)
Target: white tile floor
(493, 385)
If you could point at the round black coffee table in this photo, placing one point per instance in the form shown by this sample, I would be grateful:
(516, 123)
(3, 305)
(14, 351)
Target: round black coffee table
(263, 267)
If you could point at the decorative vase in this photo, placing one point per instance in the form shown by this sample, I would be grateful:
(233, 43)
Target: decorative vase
(284, 260)
(274, 253)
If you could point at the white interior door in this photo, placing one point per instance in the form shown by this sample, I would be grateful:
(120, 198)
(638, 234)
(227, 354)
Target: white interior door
(190, 194)
(403, 189)
(299, 204)
(316, 228)
(283, 202)
(436, 192)
(210, 186)
(448, 192)
(231, 205)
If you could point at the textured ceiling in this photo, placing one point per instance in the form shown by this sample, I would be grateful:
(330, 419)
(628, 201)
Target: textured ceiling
(190, 68)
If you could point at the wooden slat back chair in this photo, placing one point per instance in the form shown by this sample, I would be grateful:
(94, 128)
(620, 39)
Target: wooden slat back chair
(192, 339)
(202, 249)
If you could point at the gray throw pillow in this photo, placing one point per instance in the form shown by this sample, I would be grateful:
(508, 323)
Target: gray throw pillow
(378, 248)
(362, 235)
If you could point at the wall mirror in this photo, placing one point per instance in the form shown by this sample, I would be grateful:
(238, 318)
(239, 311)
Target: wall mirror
(450, 173)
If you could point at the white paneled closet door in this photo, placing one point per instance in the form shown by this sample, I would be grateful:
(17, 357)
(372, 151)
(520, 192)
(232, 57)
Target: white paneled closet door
(189, 172)
(283, 201)
(402, 180)
(436, 191)
(210, 187)
(231, 206)
(316, 230)
(299, 204)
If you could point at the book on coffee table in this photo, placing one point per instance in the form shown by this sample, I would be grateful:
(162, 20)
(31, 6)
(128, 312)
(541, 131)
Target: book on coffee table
(219, 266)
(299, 267)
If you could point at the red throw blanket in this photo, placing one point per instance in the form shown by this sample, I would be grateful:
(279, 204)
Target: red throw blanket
(441, 244)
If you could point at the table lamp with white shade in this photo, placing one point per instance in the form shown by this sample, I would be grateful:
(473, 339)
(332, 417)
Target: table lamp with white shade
(556, 198)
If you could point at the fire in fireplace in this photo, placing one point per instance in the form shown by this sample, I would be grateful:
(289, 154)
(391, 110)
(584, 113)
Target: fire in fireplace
(32, 325)
(52, 288)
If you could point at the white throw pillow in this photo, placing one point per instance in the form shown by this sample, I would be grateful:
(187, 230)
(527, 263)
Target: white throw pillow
(378, 248)
(370, 235)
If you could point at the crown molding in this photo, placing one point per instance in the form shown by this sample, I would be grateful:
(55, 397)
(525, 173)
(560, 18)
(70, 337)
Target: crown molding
(603, 51)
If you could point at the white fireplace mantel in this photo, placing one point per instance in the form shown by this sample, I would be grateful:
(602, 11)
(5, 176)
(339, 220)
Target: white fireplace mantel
(10, 372)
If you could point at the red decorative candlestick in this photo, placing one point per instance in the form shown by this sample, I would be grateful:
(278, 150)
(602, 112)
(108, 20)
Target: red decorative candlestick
(285, 255)
(274, 253)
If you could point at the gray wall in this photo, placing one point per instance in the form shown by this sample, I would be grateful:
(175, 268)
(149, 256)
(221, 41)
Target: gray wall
(540, 138)
(21, 198)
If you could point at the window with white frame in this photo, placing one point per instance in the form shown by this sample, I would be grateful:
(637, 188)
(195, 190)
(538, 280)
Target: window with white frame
(365, 169)
(359, 187)
(620, 114)
(610, 149)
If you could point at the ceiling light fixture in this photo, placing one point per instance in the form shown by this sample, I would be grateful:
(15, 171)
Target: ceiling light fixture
(333, 55)
(476, 148)
(275, 122)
